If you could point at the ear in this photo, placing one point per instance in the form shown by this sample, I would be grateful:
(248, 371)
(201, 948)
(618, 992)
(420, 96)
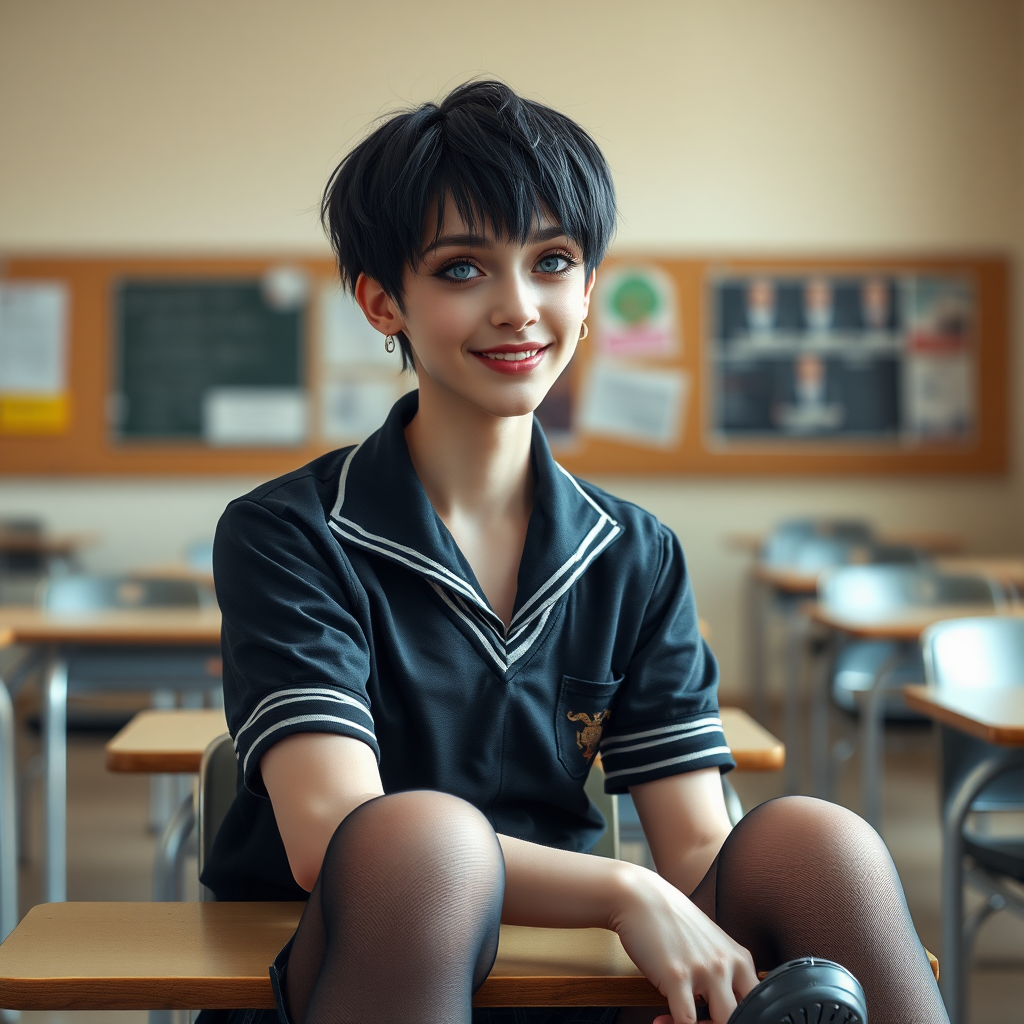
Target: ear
(378, 307)
(588, 288)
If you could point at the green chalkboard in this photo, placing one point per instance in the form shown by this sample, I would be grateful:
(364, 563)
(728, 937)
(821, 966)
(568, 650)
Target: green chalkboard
(179, 342)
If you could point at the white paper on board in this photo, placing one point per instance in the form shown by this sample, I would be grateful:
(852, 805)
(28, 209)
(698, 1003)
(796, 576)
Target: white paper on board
(250, 417)
(348, 340)
(33, 337)
(354, 409)
(639, 406)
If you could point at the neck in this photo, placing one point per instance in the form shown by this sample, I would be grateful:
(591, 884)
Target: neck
(468, 461)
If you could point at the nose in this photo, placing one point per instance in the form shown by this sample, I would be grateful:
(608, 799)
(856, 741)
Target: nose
(515, 303)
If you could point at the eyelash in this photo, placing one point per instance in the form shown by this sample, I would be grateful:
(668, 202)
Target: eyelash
(570, 263)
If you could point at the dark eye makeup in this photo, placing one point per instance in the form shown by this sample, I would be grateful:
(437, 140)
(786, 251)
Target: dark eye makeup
(459, 269)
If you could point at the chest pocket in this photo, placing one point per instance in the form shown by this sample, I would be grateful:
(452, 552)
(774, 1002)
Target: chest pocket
(582, 712)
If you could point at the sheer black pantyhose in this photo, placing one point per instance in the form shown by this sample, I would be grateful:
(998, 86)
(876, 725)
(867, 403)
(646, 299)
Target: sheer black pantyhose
(803, 877)
(402, 924)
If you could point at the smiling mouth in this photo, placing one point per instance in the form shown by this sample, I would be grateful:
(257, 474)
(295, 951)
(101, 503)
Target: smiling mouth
(514, 361)
(510, 357)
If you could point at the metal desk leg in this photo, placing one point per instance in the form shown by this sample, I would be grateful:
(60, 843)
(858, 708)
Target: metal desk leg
(952, 980)
(170, 853)
(822, 670)
(55, 783)
(757, 613)
(792, 710)
(872, 741)
(8, 819)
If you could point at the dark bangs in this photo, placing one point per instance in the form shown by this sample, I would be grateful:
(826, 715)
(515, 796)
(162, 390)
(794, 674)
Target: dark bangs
(503, 160)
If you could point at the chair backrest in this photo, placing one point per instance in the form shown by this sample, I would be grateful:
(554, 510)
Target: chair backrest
(218, 782)
(107, 593)
(982, 653)
(878, 589)
(815, 543)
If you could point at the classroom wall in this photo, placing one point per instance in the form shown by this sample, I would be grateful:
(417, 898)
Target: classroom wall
(792, 126)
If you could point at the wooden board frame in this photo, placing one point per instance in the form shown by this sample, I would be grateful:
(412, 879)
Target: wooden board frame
(89, 448)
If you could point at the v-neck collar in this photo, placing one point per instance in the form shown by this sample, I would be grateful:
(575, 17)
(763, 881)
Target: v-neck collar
(383, 508)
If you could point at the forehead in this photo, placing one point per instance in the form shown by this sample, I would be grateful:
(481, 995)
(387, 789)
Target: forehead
(453, 224)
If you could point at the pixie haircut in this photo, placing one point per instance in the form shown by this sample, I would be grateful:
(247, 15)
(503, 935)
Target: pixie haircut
(504, 162)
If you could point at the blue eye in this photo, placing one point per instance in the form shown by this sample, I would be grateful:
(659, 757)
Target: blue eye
(552, 264)
(461, 272)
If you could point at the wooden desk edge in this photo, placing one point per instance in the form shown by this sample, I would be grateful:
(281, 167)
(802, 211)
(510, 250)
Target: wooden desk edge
(991, 733)
(161, 763)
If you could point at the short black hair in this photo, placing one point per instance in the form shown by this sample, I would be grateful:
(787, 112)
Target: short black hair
(496, 155)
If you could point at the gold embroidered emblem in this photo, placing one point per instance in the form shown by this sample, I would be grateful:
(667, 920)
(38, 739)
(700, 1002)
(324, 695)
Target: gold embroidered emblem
(589, 736)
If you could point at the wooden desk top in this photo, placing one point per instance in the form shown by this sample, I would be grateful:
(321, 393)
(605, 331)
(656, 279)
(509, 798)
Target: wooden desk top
(996, 716)
(165, 741)
(754, 748)
(934, 542)
(904, 625)
(170, 626)
(84, 956)
(174, 741)
(45, 543)
(787, 579)
(1007, 570)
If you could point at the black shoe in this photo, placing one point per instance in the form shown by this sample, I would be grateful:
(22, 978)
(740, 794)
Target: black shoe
(805, 991)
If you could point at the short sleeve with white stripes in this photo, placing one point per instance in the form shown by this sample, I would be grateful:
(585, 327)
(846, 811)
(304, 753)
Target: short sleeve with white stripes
(665, 717)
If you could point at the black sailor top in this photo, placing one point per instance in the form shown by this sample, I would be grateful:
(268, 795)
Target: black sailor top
(348, 608)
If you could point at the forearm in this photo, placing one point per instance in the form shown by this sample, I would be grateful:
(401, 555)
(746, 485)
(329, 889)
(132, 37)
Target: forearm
(688, 865)
(551, 888)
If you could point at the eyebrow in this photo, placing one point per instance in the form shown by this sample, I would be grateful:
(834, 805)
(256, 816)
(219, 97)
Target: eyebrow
(482, 242)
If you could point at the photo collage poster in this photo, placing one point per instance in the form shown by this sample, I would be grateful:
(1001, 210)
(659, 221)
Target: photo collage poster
(855, 356)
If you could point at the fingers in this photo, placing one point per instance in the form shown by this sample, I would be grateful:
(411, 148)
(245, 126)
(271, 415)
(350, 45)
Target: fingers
(721, 1001)
(745, 978)
(682, 1006)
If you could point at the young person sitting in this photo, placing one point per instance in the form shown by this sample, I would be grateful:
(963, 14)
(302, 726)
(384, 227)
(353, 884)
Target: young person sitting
(428, 637)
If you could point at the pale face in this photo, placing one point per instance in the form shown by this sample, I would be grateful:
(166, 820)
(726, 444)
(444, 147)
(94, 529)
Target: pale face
(491, 322)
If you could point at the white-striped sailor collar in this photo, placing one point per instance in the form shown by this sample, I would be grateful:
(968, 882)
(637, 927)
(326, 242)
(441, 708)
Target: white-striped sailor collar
(381, 506)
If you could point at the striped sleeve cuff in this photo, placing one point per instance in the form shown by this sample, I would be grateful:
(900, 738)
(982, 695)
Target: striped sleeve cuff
(643, 755)
(299, 709)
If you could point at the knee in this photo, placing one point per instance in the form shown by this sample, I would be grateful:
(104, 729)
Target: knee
(804, 823)
(419, 836)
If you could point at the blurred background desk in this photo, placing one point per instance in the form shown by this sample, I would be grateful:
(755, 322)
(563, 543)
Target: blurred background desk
(905, 625)
(53, 636)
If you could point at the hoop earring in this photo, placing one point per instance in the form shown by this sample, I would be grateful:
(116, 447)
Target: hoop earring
(389, 343)
(584, 330)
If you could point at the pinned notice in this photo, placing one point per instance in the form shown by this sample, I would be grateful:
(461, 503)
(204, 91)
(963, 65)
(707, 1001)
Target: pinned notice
(638, 406)
(33, 353)
(637, 312)
(248, 417)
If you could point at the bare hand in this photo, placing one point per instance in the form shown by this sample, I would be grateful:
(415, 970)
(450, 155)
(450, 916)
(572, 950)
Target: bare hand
(682, 952)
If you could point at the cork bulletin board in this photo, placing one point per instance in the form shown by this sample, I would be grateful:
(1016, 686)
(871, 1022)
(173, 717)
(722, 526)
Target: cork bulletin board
(704, 366)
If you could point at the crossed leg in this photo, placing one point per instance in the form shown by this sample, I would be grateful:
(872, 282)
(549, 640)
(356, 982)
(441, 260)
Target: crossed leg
(402, 924)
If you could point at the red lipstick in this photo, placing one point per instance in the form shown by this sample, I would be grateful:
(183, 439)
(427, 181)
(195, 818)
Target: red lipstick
(520, 357)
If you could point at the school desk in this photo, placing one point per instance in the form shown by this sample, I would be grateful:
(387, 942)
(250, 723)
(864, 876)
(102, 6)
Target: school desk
(174, 741)
(997, 717)
(933, 542)
(905, 625)
(48, 545)
(51, 634)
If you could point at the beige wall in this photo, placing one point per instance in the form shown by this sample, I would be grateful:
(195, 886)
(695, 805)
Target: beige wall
(794, 125)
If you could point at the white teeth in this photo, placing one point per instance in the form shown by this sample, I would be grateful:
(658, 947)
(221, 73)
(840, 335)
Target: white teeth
(514, 357)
